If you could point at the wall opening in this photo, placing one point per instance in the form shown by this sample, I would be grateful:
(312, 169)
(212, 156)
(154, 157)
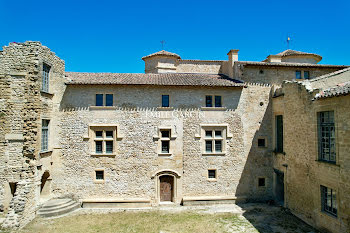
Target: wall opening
(166, 188)
(45, 187)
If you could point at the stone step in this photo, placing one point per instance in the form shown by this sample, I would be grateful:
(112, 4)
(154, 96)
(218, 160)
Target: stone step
(58, 207)
(56, 202)
(48, 209)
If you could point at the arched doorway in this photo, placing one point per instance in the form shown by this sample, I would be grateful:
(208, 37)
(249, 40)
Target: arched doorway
(45, 186)
(166, 188)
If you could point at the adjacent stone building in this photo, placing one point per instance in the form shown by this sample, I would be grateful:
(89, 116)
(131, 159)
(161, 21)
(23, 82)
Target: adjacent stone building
(186, 132)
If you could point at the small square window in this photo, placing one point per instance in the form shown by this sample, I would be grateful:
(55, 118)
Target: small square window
(218, 134)
(98, 134)
(99, 99)
(298, 74)
(165, 133)
(208, 101)
(261, 182)
(99, 175)
(109, 100)
(261, 142)
(109, 134)
(212, 174)
(306, 74)
(208, 133)
(218, 101)
(165, 101)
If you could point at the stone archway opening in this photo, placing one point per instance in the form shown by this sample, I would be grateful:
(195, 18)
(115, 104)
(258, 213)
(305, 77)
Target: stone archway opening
(166, 188)
(45, 186)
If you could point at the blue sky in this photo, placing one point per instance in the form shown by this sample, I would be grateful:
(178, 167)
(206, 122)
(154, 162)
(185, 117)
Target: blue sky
(112, 36)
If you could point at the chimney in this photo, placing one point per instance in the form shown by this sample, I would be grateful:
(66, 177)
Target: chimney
(232, 57)
(274, 58)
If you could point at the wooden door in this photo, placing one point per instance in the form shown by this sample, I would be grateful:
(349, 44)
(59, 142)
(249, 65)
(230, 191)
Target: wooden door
(166, 188)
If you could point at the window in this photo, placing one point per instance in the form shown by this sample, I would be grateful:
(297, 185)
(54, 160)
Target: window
(261, 182)
(99, 175)
(306, 74)
(45, 78)
(104, 140)
(326, 136)
(165, 141)
(329, 200)
(99, 99)
(211, 174)
(298, 74)
(209, 101)
(213, 141)
(165, 101)
(107, 102)
(261, 142)
(45, 135)
(279, 133)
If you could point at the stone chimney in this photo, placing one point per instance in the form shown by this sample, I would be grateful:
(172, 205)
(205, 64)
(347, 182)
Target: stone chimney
(274, 58)
(232, 57)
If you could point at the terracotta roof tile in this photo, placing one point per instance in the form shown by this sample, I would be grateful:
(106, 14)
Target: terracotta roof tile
(338, 90)
(168, 79)
(162, 53)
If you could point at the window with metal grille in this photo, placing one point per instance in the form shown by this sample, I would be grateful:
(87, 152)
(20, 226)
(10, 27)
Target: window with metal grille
(329, 200)
(213, 141)
(326, 136)
(45, 135)
(165, 141)
(165, 101)
(45, 78)
(279, 133)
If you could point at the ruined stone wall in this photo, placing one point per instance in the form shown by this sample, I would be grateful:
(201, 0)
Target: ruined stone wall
(275, 75)
(22, 106)
(304, 173)
(129, 172)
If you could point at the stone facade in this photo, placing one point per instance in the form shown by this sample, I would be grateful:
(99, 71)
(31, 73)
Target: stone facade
(132, 173)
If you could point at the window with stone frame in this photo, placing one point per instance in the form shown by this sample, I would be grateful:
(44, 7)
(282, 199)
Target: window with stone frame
(45, 78)
(329, 200)
(104, 140)
(212, 174)
(326, 136)
(106, 101)
(165, 101)
(165, 141)
(214, 141)
(213, 101)
(45, 135)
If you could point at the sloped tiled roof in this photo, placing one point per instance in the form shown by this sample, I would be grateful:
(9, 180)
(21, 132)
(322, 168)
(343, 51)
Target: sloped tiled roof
(291, 64)
(162, 53)
(338, 90)
(167, 79)
(290, 52)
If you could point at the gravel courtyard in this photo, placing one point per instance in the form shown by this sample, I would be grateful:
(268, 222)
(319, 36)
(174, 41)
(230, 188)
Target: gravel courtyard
(248, 218)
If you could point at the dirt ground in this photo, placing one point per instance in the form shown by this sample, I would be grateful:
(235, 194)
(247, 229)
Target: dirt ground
(247, 218)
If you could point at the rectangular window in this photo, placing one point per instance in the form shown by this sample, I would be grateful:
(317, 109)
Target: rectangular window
(213, 141)
(329, 200)
(326, 136)
(165, 141)
(279, 133)
(208, 101)
(104, 139)
(298, 74)
(212, 174)
(45, 78)
(109, 100)
(218, 101)
(165, 101)
(99, 99)
(45, 135)
(99, 175)
(306, 74)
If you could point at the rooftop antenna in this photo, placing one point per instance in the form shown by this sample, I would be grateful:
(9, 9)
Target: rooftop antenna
(162, 42)
(288, 40)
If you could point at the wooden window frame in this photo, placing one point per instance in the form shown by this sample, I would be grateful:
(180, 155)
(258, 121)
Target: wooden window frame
(331, 132)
